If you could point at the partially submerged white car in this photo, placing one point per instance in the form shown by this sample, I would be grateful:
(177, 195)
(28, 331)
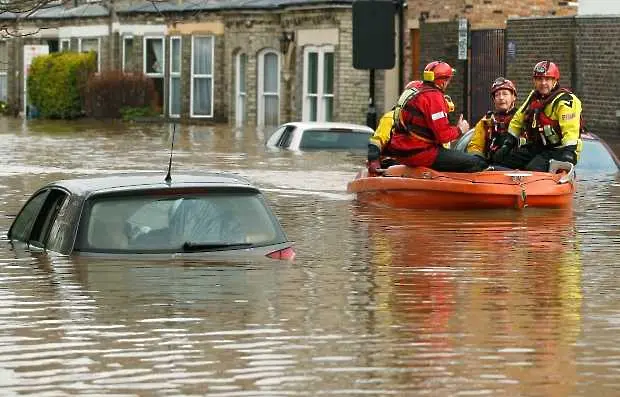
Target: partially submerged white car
(313, 135)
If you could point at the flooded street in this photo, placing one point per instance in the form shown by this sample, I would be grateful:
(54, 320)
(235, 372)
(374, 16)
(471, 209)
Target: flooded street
(377, 303)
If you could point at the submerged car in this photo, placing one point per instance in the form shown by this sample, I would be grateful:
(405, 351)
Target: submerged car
(596, 155)
(320, 136)
(209, 215)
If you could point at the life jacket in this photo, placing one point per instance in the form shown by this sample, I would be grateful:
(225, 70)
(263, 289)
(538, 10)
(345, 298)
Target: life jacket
(540, 128)
(417, 130)
(496, 126)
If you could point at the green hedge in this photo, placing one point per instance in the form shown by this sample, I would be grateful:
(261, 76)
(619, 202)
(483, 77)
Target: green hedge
(56, 83)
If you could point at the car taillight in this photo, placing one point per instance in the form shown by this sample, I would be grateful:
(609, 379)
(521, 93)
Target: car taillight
(286, 253)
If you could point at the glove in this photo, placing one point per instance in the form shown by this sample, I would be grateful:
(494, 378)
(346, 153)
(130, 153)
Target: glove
(373, 167)
(509, 143)
(373, 152)
(566, 153)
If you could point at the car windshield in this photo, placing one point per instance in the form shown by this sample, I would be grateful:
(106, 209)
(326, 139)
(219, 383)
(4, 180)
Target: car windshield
(596, 157)
(334, 139)
(147, 224)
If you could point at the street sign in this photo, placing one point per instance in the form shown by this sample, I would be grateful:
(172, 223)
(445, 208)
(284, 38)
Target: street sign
(462, 41)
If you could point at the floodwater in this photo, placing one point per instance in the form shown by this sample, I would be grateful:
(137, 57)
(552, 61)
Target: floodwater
(377, 303)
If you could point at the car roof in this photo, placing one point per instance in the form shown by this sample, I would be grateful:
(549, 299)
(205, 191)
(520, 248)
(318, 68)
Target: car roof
(329, 125)
(132, 181)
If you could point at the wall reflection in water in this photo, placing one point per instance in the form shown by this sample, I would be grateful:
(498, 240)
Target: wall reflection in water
(494, 296)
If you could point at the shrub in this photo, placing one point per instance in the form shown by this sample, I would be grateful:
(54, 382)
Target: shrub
(56, 83)
(109, 94)
(130, 113)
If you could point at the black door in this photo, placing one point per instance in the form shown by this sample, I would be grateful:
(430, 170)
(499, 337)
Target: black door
(487, 63)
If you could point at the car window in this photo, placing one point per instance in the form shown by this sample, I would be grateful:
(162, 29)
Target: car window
(282, 136)
(334, 139)
(596, 157)
(47, 216)
(287, 136)
(22, 225)
(165, 224)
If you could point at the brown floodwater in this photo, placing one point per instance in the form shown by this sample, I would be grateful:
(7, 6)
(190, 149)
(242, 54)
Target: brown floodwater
(377, 303)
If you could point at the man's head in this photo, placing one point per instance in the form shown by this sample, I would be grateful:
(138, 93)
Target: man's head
(438, 72)
(504, 94)
(546, 75)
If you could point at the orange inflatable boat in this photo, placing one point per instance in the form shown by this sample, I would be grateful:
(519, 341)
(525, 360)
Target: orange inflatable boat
(405, 187)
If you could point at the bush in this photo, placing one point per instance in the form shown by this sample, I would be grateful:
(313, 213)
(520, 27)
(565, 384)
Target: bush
(114, 94)
(56, 83)
(129, 113)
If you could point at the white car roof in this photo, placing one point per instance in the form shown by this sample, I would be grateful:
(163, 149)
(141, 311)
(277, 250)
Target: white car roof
(329, 124)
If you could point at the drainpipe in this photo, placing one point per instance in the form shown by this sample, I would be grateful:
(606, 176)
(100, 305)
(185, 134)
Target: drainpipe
(111, 39)
(400, 8)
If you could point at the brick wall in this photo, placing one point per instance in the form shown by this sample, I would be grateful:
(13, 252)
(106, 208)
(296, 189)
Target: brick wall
(488, 14)
(587, 52)
(598, 60)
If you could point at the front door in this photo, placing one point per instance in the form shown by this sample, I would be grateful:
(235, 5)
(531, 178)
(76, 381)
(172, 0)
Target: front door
(487, 63)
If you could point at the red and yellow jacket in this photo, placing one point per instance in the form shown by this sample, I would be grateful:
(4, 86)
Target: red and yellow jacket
(562, 111)
(420, 126)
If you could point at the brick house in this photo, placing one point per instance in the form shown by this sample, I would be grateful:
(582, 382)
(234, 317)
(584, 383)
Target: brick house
(212, 61)
(268, 61)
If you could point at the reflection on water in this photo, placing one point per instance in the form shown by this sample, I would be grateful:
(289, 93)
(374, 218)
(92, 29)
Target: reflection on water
(378, 302)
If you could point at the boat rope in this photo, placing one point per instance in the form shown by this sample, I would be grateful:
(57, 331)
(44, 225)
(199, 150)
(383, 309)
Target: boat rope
(520, 182)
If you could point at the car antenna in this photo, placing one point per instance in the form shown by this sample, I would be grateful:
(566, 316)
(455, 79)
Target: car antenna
(168, 178)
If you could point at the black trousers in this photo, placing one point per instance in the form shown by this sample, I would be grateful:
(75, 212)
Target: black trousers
(451, 160)
(536, 158)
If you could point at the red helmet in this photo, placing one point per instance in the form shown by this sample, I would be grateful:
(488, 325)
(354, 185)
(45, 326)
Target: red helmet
(546, 69)
(501, 83)
(437, 70)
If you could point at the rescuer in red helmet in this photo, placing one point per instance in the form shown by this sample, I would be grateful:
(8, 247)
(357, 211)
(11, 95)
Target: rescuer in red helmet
(421, 127)
(491, 131)
(548, 124)
(377, 158)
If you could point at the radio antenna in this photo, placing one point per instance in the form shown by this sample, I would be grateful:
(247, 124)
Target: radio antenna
(168, 176)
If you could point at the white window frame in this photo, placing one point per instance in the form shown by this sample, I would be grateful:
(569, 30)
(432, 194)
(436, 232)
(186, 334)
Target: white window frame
(320, 95)
(241, 97)
(174, 74)
(157, 75)
(98, 49)
(65, 45)
(260, 117)
(163, 56)
(5, 73)
(124, 50)
(201, 76)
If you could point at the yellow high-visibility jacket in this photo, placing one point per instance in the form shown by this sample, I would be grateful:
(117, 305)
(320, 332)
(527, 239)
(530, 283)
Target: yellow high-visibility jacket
(565, 108)
(383, 132)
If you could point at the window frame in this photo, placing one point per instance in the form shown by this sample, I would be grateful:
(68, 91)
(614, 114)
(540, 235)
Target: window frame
(241, 96)
(65, 45)
(320, 95)
(124, 52)
(260, 117)
(174, 75)
(195, 76)
(98, 49)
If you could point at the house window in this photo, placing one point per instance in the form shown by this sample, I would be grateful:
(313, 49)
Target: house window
(4, 68)
(65, 44)
(90, 44)
(268, 88)
(240, 88)
(128, 55)
(175, 77)
(318, 104)
(202, 77)
(153, 65)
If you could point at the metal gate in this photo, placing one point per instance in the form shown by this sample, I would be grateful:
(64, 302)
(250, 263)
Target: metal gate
(487, 63)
